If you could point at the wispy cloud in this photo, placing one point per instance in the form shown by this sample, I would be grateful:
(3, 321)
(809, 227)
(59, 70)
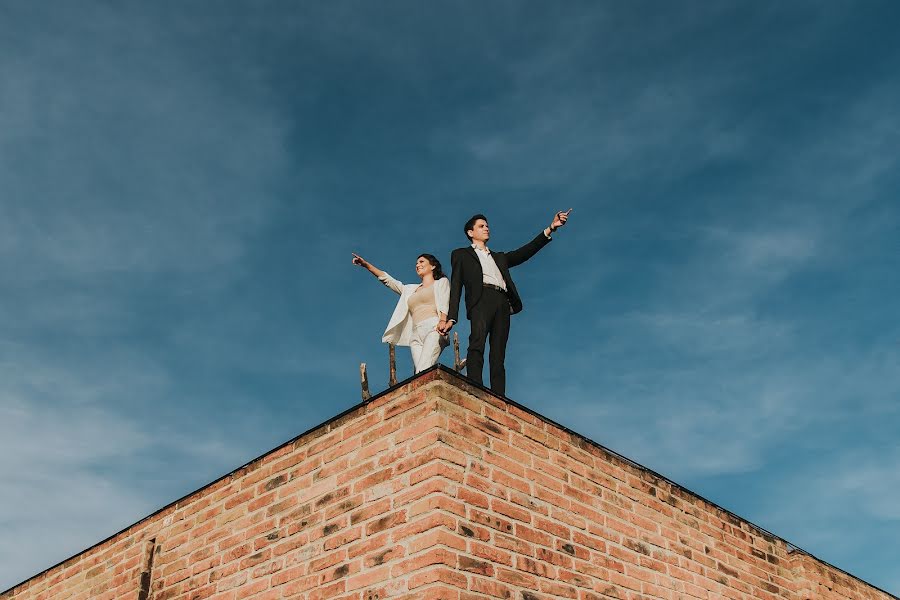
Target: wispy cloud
(46, 445)
(77, 453)
(871, 479)
(125, 167)
(839, 507)
(179, 191)
(715, 372)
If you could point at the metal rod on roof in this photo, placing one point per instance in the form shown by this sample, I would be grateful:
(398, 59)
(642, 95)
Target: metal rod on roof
(393, 359)
(364, 381)
(458, 364)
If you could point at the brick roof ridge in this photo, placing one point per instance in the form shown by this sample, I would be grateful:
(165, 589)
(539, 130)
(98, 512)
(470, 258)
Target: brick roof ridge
(423, 379)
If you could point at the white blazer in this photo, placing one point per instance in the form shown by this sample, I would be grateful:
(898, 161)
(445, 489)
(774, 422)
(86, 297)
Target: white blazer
(400, 327)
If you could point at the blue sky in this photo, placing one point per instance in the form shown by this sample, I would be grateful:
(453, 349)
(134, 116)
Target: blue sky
(181, 185)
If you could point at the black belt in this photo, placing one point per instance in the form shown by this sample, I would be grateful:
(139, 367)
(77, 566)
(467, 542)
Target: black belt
(494, 287)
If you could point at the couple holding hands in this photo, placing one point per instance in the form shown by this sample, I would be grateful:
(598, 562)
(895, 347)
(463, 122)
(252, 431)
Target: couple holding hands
(426, 312)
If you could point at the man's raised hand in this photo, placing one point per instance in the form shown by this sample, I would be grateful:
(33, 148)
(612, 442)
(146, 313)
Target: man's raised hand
(560, 219)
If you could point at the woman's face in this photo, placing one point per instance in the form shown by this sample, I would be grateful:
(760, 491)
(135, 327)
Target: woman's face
(423, 267)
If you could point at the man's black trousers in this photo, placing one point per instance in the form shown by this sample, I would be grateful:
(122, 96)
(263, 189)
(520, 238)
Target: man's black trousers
(489, 318)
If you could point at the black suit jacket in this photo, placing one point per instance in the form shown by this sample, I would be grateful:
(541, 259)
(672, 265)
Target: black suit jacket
(467, 273)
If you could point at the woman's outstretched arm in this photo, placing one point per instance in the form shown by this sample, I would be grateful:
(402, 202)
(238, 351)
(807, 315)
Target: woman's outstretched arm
(359, 260)
(383, 277)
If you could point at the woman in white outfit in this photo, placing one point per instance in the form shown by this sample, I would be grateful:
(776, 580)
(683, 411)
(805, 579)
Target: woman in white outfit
(420, 312)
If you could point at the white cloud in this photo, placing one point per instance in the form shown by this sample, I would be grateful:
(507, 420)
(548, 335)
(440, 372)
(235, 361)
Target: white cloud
(870, 480)
(573, 113)
(49, 456)
(768, 249)
(65, 433)
(838, 506)
(50, 519)
(713, 334)
(123, 163)
(551, 136)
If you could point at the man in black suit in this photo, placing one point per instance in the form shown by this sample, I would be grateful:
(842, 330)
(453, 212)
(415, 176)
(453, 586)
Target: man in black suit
(491, 295)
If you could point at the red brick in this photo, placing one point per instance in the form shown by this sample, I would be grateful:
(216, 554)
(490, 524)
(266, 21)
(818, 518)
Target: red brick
(385, 522)
(436, 556)
(440, 491)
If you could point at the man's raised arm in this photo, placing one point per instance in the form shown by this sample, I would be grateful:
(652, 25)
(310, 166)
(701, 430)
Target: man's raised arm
(520, 255)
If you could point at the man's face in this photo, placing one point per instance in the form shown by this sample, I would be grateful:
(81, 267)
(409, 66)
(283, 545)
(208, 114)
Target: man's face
(480, 231)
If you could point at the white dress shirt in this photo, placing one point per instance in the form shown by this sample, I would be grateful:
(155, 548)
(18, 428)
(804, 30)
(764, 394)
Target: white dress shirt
(489, 268)
(490, 272)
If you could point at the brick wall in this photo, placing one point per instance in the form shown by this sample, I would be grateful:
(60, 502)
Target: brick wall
(434, 490)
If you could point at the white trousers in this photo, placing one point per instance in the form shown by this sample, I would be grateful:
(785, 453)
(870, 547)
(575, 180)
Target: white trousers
(426, 344)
